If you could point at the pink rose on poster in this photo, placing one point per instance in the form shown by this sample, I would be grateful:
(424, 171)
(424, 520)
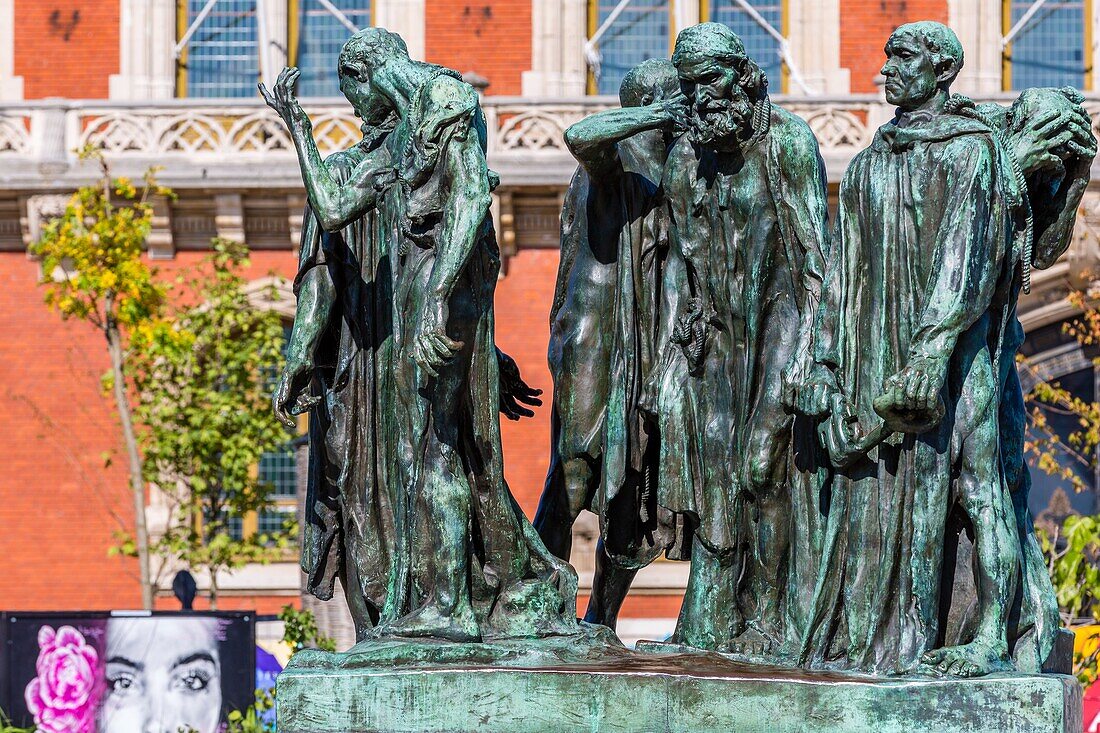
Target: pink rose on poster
(64, 695)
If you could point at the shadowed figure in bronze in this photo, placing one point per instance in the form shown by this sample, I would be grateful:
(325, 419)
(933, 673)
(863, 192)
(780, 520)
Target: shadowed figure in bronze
(915, 338)
(608, 327)
(746, 191)
(392, 354)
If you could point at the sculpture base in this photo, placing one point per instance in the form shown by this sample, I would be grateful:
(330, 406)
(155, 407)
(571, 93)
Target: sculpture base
(660, 694)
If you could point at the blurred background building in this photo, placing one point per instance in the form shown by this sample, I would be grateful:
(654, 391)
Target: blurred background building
(172, 83)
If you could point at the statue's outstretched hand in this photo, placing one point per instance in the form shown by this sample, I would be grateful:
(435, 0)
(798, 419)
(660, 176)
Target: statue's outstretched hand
(513, 390)
(432, 348)
(290, 397)
(281, 98)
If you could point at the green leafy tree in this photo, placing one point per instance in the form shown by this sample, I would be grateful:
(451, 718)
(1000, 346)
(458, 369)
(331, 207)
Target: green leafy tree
(1071, 542)
(92, 270)
(201, 375)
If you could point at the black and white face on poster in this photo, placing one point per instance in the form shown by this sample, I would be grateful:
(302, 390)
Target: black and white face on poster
(105, 673)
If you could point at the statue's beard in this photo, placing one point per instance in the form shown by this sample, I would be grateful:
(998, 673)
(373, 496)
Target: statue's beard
(722, 122)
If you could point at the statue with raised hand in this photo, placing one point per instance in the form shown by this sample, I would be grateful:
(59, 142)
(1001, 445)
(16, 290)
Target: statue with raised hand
(607, 330)
(915, 332)
(392, 353)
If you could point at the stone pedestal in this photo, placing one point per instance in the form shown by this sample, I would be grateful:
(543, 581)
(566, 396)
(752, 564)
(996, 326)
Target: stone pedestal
(662, 694)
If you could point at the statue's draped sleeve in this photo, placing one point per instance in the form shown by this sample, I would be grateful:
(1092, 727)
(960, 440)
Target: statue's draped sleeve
(965, 269)
(797, 177)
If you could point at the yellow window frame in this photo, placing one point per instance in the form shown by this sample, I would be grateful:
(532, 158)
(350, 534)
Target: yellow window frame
(1006, 52)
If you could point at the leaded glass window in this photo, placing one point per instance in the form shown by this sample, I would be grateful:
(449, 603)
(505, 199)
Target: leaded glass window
(1049, 50)
(641, 31)
(223, 54)
(320, 37)
(761, 46)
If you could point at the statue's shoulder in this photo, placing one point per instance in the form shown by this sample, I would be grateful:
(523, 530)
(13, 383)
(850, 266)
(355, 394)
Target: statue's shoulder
(341, 163)
(446, 91)
(682, 158)
(792, 132)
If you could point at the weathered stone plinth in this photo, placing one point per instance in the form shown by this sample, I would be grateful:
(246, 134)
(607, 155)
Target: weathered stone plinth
(662, 694)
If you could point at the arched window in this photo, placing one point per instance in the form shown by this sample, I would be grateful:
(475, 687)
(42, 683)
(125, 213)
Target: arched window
(1049, 44)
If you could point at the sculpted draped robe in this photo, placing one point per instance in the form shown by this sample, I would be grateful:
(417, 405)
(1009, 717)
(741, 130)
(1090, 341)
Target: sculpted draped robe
(924, 257)
(376, 418)
(607, 329)
(756, 230)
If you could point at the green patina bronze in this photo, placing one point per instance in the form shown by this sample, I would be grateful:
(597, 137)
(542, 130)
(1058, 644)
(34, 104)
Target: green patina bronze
(829, 426)
(610, 325)
(392, 354)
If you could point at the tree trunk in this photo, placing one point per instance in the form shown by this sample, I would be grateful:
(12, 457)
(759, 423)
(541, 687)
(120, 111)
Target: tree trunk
(137, 482)
(213, 589)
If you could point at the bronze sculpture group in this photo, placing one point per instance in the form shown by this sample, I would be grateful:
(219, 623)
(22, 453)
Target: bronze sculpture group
(827, 424)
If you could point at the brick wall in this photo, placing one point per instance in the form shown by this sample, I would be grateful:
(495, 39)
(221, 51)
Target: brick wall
(59, 505)
(66, 48)
(866, 24)
(491, 37)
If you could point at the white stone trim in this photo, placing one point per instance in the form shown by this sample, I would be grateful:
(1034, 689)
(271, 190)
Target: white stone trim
(558, 32)
(147, 34)
(978, 25)
(11, 86)
(406, 19)
(813, 32)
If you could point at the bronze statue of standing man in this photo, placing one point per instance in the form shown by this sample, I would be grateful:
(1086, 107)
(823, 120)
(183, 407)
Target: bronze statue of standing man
(392, 353)
(746, 189)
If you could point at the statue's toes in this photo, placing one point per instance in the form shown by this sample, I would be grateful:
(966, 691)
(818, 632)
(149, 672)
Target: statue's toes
(932, 658)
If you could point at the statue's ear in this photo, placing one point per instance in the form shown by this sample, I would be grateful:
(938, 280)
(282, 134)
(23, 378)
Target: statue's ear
(947, 69)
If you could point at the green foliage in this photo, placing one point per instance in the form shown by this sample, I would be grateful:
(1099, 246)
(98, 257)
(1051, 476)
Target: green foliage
(300, 631)
(200, 375)
(6, 725)
(91, 255)
(1072, 547)
(1073, 551)
(250, 720)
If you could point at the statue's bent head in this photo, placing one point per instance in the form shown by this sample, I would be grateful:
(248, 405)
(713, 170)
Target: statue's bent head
(360, 60)
(651, 81)
(719, 79)
(921, 59)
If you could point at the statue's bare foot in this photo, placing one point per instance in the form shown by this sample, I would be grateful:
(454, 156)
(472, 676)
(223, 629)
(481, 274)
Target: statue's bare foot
(756, 640)
(429, 622)
(968, 660)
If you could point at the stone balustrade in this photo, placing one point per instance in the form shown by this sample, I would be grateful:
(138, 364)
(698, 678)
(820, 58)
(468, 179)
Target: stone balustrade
(224, 143)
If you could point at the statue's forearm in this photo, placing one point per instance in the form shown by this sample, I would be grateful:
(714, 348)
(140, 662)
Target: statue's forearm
(592, 140)
(334, 204)
(463, 217)
(316, 296)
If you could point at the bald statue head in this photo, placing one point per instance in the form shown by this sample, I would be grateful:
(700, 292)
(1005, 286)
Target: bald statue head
(653, 80)
(720, 81)
(922, 59)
